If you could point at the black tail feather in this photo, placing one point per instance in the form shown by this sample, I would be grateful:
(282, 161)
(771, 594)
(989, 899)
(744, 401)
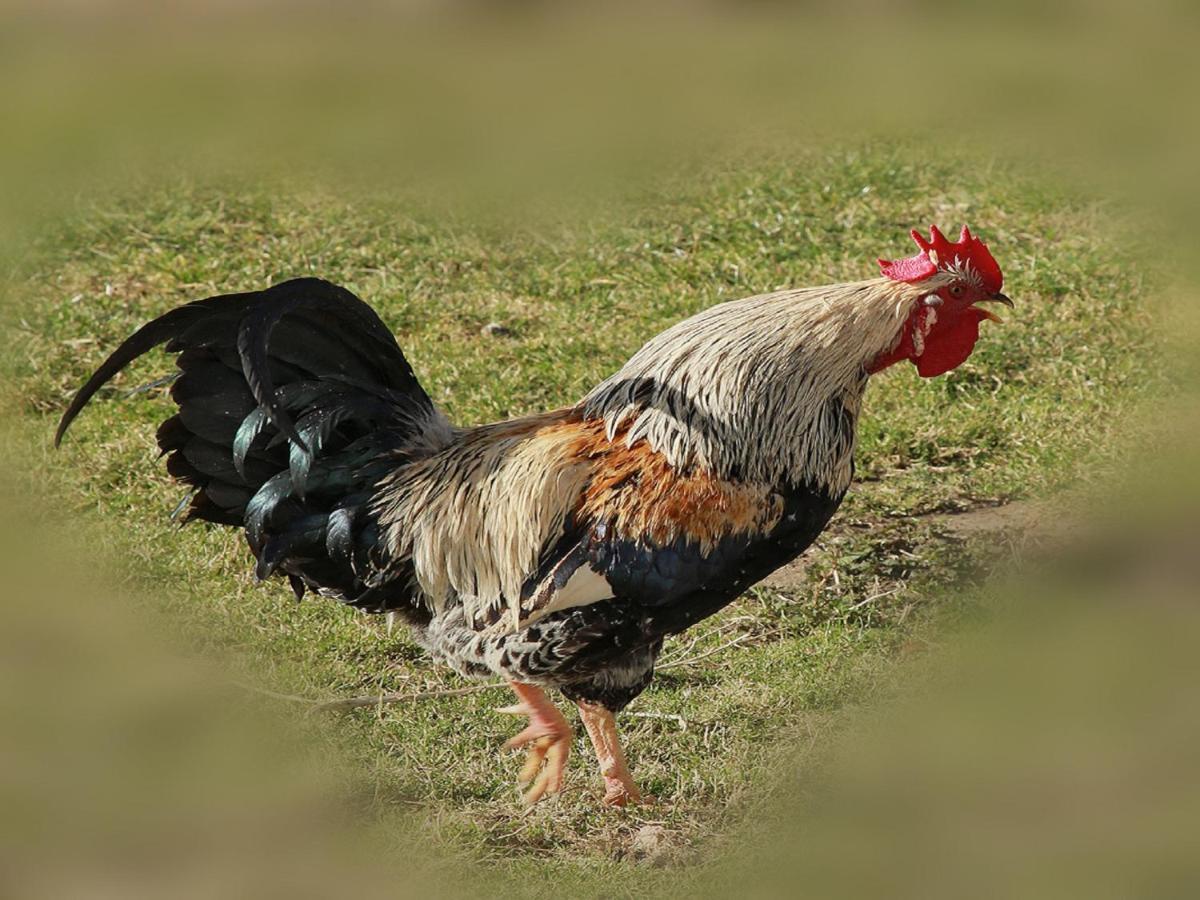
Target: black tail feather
(146, 338)
(291, 402)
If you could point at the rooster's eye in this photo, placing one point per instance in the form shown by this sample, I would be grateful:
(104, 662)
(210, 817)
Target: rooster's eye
(956, 290)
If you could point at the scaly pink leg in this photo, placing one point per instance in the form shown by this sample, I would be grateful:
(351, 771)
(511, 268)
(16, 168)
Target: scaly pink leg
(601, 726)
(548, 738)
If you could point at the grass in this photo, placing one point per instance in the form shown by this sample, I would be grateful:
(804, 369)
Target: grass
(1030, 414)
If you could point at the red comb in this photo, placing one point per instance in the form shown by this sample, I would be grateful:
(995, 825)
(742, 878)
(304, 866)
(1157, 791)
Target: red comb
(937, 253)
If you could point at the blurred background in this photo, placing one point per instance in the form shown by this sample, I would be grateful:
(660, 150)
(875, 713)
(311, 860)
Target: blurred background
(1017, 716)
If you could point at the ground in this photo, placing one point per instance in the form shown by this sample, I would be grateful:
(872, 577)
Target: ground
(502, 323)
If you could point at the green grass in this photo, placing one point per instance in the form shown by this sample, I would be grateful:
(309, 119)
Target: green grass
(1030, 414)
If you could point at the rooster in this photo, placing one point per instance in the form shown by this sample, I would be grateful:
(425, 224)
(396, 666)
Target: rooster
(555, 550)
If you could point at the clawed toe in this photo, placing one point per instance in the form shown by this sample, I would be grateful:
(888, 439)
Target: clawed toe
(621, 793)
(548, 737)
(550, 756)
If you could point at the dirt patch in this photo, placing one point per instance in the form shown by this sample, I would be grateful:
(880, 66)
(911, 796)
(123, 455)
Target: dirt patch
(1019, 515)
(791, 576)
(1015, 516)
(650, 846)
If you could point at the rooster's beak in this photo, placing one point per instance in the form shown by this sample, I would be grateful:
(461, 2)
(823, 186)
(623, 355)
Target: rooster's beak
(998, 298)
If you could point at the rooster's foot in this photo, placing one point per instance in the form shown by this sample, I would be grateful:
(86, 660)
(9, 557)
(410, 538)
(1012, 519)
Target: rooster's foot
(548, 738)
(619, 788)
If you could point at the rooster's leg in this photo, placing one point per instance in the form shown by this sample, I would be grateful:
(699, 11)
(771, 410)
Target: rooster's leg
(548, 738)
(601, 726)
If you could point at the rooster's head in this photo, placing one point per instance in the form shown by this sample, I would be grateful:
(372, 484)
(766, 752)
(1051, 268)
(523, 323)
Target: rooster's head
(942, 330)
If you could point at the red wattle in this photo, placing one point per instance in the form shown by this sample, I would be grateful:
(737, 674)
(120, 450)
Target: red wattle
(947, 346)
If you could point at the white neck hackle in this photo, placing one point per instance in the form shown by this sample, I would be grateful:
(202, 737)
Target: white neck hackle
(764, 389)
